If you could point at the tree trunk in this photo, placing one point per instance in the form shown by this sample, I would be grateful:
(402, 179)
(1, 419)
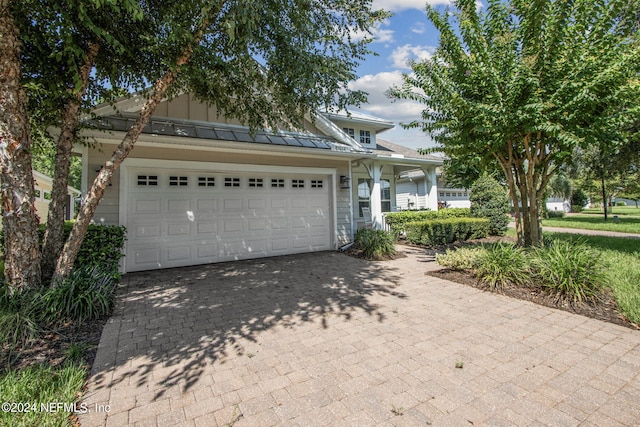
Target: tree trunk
(604, 196)
(54, 235)
(19, 219)
(95, 193)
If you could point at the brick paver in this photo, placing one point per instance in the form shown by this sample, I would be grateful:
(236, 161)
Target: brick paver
(324, 339)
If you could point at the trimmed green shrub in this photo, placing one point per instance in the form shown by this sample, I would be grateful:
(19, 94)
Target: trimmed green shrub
(501, 264)
(375, 244)
(465, 258)
(579, 200)
(398, 220)
(489, 200)
(443, 231)
(88, 293)
(572, 271)
(621, 203)
(554, 214)
(102, 245)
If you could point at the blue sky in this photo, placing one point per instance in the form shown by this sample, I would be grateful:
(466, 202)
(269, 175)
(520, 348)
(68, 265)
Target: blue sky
(407, 35)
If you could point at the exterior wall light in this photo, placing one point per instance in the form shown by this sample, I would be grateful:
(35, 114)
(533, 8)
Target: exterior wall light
(345, 182)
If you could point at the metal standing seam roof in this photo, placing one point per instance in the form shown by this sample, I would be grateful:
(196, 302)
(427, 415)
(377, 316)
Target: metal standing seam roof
(222, 132)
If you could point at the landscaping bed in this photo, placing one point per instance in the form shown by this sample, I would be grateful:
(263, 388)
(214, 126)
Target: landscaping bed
(606, 308)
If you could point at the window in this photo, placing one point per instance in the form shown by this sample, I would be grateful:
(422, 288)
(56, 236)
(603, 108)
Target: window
(147, 180)
(37, 193)
(178, 181)
(232, 182)
(441, 194)
(277, 183)
(206, 181)
(448, 194)
(47, 195)
(385, 195)
(350, 131)
(297, 183)
(255, 182)
(364, 194)
(316, 183)
(365, 137)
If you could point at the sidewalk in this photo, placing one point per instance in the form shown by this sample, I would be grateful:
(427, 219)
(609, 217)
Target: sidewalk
(585, 232)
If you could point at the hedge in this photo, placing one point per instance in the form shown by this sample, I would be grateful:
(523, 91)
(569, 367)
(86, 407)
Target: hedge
(442, 231)
(397, 221)
(102, 246)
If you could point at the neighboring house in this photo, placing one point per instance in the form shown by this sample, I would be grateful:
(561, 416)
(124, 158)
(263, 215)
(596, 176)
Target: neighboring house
(200, 189)
(43, 186)
(411, 192)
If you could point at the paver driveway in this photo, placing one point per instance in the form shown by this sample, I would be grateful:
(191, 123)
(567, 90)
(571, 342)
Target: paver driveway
(325, 339)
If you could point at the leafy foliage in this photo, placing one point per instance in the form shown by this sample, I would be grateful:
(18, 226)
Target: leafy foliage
(398, 220)
(523, 83)
(502, 264)
(578, 200)
(490, 200)
(375, 244)
(464, 258)
(571, 271)
(87, 294)
(442, 231)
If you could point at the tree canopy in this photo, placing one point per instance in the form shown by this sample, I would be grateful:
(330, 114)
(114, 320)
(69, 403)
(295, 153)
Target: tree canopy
(522, 83)
(267, 64)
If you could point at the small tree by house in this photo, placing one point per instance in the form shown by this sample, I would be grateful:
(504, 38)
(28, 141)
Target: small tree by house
(489, 200)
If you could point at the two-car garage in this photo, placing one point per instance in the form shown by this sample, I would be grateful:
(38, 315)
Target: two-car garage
(188, 213)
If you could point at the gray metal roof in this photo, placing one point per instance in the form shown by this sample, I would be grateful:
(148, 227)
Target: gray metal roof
(221, 132)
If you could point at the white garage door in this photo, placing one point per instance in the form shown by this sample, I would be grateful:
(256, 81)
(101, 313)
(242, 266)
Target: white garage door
(182, 217)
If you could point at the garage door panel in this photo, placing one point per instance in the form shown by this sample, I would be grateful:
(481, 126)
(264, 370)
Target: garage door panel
(206, 227)
(178, 205)
(146, 206)
(280, 245)
(257, 224)
(146, 256)
(178, 229)
(278, 203)
(178, 253)
(206, 205)
(257, 204)
(231, 205)
(232, 226)
(207, 251)
(206, 221)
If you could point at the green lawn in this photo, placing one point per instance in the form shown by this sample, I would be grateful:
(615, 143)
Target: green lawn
(37, 395)
(628, 220)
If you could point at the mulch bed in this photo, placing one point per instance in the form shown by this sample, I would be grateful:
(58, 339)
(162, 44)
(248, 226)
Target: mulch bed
(52, 347)
(605, 309)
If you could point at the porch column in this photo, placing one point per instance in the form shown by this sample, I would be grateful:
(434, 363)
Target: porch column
(431, 188)
(375, 172)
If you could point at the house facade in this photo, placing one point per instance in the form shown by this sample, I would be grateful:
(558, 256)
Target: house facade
(43, 185)
(412, 194)
(199, 188)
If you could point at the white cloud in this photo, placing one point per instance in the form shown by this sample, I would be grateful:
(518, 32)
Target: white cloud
(401, 55)
(379, 104)
(379, 34)
(419, 28)
(397, 111)
(398, 5)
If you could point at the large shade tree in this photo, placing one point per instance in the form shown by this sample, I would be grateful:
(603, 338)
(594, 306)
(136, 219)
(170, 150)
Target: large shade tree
(522, 83)
(264, 63)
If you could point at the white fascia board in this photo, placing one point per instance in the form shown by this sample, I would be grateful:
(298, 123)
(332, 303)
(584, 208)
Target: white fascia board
(257, 149)
(331, 129)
